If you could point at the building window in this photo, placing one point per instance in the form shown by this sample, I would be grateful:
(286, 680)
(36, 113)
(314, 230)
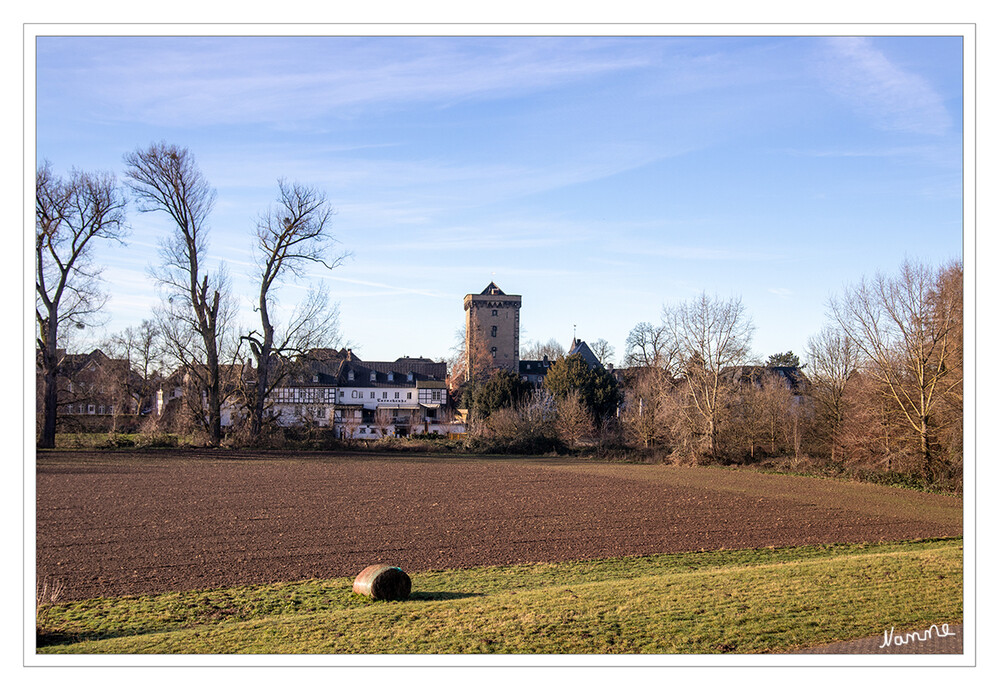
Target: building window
(493, 352)
(90, 409)
(495, 312)
(409, 396)
(494, 331)
(396, 396)
(100, 410)
(372, 394)
(436, 395)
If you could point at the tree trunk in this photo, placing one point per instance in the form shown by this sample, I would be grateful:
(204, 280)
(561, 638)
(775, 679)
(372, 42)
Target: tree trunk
(50, 383)
(924, 448)
(50, 402)
(214, 401)
(263, 355)
(263, 378)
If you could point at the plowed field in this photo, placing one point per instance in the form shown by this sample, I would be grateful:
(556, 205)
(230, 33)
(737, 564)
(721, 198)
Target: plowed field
(111, 524)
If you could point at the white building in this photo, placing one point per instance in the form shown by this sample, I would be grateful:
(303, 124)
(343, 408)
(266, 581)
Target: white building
(362, 400)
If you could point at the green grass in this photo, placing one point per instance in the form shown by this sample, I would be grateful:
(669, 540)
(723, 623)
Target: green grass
(746, 601)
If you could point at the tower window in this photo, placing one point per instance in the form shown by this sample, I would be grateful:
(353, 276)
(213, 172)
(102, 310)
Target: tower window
(495, 312)
(494, 331)
(493, 352)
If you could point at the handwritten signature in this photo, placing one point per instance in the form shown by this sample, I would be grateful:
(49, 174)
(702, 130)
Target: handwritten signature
(891, 638)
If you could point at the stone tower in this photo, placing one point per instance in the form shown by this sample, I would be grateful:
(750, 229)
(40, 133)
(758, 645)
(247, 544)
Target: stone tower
(492, 328)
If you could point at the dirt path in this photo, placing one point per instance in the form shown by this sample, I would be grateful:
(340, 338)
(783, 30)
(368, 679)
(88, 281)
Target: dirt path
(115, 524)
(937, 640)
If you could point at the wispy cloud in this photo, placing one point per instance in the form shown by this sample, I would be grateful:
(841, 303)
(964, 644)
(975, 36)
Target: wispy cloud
(692, 253)
(208, 81)
(893, 98)
(922, 152)
(385, 288)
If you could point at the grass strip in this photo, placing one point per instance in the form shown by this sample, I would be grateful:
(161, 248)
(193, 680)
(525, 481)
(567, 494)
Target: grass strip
(745, 601)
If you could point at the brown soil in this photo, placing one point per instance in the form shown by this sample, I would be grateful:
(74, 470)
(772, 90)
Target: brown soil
(111, 524)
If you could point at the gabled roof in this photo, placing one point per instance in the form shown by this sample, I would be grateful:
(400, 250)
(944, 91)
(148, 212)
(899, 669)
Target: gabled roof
(72, 365)
(583, 350)
(325, 354)
(386, 373)
(336, 371)
(417, 365)
(492, 289)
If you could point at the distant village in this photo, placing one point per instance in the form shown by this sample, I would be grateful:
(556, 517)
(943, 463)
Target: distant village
(330, 389)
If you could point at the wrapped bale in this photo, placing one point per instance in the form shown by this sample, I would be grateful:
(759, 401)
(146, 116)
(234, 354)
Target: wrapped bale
(382, 581)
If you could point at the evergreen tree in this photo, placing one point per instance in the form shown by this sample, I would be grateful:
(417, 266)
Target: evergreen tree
(597, 388)
(504, 389)
(784, 359)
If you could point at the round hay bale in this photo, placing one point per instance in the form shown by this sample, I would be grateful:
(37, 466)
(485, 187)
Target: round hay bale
(382, 581)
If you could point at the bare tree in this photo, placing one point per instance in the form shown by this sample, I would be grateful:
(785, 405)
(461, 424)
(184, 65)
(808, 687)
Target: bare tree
(538, 350)
(142, 348)
(166, 178)
(643, 415)
(573, 421)
(711, 334)
(474, 363)
(907, 334)
(69, 215)
(874, 431)
(290, 237)
(456, 362)
(948, 301)
(773, 407)
(832, 359)
(384, 419)
(349, 420)
(114, 389)
(651, 346)
(603, 351)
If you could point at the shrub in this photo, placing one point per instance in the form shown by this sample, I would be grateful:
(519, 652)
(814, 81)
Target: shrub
(118, 441)
(157, 440)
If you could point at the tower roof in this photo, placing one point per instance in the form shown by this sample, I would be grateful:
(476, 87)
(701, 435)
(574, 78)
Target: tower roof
(583, 350)
(492, 289)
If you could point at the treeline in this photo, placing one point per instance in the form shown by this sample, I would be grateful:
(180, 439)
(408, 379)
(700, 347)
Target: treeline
(880, 390)
(196, 318)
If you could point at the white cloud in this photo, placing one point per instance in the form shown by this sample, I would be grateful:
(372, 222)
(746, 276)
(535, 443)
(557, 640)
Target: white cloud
(693, 253)
(893, 98)
(199, 81)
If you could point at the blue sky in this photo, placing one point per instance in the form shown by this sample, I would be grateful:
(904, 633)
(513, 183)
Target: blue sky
(598, 177)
